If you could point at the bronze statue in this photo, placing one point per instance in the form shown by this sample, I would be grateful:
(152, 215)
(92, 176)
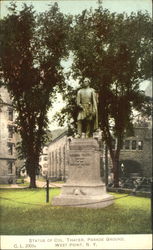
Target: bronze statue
(88, 115)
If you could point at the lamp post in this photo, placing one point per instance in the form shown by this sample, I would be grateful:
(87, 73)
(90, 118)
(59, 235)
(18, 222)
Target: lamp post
(123, 168)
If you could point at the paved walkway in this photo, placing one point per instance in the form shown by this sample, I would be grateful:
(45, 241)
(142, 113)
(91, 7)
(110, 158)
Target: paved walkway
(40, 184)
(51, 184)
(11, 186)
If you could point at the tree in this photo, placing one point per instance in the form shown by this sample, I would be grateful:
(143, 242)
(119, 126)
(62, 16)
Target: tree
(32, 47)
(114, 52)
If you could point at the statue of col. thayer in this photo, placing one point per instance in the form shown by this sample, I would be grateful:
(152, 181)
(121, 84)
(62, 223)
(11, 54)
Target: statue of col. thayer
(87, 120)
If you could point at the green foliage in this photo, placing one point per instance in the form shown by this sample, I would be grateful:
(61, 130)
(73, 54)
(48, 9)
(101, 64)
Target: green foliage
(31, 51)
(128, 215)
(114, 51)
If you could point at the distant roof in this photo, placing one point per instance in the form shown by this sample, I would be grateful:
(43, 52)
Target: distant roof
(5, 97)
(57, 133)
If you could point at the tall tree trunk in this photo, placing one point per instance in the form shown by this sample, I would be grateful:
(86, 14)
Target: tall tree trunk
(114, 154)
(32, 173)
(115, 163)
(115, 160)
(32, 181)
(106, 165)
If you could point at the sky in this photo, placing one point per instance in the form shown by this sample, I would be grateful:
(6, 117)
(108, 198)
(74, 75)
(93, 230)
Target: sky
(76, 7)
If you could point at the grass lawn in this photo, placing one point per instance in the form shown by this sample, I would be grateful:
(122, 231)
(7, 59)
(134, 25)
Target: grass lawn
(24, 212)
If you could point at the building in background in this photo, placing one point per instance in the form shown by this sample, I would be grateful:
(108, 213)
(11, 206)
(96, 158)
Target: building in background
(136, 154)
(58, 156)
(7, 139)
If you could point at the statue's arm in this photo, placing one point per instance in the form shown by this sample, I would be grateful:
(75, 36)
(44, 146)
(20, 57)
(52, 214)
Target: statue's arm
(95, 100)
(79, 99)
(95, 108)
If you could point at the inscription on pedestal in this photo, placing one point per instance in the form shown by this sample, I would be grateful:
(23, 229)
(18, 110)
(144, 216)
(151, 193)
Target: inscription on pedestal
(79, 160)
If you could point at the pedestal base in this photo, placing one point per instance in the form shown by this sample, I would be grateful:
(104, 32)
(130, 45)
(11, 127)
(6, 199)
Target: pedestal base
(83, 201)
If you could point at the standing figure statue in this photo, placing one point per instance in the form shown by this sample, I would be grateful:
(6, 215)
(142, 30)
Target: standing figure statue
(87, 120)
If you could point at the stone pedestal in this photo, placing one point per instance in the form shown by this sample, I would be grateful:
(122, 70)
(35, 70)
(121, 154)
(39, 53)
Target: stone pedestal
(84, 187)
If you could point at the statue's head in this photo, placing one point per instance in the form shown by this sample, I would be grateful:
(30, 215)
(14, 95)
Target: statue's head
(86, 82)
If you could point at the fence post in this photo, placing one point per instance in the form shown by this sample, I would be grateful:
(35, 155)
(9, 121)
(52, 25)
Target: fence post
(47, 189)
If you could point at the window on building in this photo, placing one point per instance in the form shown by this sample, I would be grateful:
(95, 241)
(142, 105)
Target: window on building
(45, 158)
(122, 145)
(10, 131)
(10, 114)
(127, 144)
(10, 167)
(140, 145)
(10, 148)
(44, 172)
(39, 158)
(45, 150)
(134, 144)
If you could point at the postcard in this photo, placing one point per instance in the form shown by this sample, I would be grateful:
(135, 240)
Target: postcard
(80, 70)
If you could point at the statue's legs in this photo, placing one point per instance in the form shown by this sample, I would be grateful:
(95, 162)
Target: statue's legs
(88, 128)
(87, 125)
(79, 128)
